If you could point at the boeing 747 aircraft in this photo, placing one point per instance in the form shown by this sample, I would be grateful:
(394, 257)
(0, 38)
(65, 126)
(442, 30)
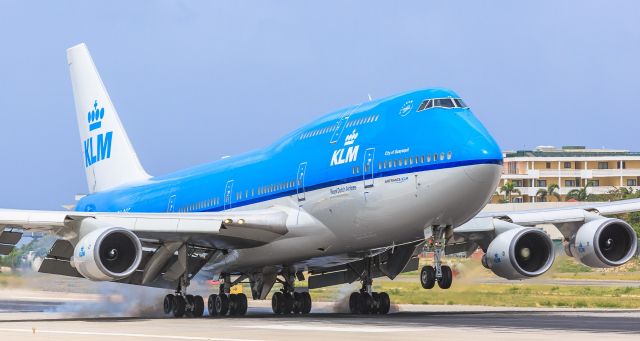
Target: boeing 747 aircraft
(352, 196)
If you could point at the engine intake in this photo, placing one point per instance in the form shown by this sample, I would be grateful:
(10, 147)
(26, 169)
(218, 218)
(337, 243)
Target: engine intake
(604, 243)
(520, 253)
(108, 254)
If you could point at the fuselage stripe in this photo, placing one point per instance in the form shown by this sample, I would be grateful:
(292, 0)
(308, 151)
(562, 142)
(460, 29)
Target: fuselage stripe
(359, 177)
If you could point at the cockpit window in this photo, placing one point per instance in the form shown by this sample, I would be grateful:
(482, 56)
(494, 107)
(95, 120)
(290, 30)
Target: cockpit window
(442, 103)
(460, 103)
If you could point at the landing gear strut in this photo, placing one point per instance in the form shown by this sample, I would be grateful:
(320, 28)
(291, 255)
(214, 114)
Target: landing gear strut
(180, 304)
(366, 301)
(437, 273)
(288, 301)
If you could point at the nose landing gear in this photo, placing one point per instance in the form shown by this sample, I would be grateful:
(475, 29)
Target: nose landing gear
(439, 273)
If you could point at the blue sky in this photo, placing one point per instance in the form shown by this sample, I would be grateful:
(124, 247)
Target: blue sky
(196, 80)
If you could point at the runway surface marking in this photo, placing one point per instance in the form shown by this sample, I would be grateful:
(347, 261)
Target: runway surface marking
(350, 329)
(148, 336)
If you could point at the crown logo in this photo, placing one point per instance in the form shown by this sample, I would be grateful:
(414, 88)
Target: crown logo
(351, 138)
(95, 117)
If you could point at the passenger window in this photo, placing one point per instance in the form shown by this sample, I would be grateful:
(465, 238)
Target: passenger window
(441, 156)
(449, 156)
(435, 157)
(422, 159)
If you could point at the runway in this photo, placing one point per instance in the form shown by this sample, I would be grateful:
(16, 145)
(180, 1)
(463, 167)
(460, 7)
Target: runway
(412, 322)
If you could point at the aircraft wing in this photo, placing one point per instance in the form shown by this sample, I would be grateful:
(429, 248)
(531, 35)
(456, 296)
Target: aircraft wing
(170, 244)
(480, 230)
(221, 230)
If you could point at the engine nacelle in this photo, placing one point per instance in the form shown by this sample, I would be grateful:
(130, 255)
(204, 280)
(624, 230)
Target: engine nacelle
(604, 243)
(520, 253)
(107, 254)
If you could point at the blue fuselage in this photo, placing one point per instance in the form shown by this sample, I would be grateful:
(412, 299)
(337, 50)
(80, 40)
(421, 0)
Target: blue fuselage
(358, 144)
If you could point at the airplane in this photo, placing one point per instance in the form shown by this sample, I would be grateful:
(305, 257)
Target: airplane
(352, 196)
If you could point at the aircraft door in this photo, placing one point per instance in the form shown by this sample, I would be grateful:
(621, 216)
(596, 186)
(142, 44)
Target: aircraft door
(339, 127)
(228, 190)
(368, 167)
(341, 124)
(172, 204)
(302, 170)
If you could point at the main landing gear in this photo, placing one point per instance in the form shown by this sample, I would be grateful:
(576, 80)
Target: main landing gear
(225, 303)
(180, 304)
(437, 273)
(288, 301)
(366, 301)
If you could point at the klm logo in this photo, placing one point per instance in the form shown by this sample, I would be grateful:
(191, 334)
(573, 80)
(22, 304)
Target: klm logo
(97, 147)
(347, 154)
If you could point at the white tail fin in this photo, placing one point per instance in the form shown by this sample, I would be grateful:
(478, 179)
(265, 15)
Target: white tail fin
(109, 158)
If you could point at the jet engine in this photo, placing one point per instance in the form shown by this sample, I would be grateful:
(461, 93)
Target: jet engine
(107, 254)
(520, 253)
(603, 243)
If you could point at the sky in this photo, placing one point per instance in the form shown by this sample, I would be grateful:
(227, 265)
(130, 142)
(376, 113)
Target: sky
(196, 80)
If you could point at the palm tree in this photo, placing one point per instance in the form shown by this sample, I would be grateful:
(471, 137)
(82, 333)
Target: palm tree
(508, 188)
(550, 191)
(579, 194)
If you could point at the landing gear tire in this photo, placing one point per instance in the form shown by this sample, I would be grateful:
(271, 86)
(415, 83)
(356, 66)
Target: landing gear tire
(233, 305)
(198, 306)
(222, 305)
(384, 303)
(428, 277)
(188, 311)
(297, 303)
(241, 304)
(353, 302)
(167, 305)
(211, 305)
(178, 306)
(447, 278)
(375, 303)
(277, 303)
(305, 298)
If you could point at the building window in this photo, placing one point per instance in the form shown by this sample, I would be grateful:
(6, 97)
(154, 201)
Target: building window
(548, 165)
(570, 183)
(517, 200)
(622, 165)
(542, 183)
(567, 165)
(594, 183)
(632, 182)
(603, 165)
